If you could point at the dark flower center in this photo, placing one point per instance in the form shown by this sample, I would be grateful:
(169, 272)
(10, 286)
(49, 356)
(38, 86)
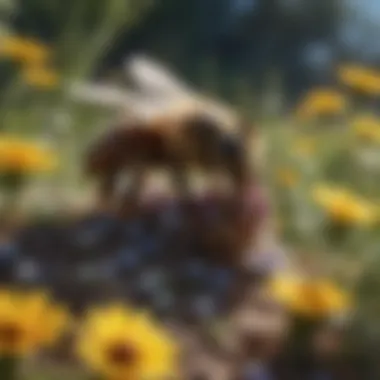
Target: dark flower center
(122, 354)
(10, 334)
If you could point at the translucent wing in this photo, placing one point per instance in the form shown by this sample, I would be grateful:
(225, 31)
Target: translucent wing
(159, 92)
(100, 95)
(123, 100)
(153, 79)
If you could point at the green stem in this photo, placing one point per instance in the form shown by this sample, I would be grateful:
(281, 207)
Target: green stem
(304, 331)
(10, 186)
(8, 368)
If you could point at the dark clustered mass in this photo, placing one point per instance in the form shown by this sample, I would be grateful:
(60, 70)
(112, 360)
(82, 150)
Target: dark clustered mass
(164, 258)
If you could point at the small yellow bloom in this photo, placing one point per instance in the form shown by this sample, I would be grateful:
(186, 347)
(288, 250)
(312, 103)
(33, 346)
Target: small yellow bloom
(24, 50)
(324, 296)
(321, 102)
(287, 177)
(28, 322)
(40, 77)
(367, 128)
(310, 298)
(351, 74)
(284, 288)
(359, 78)
(118, 343)
(23, 156)
(344, 207)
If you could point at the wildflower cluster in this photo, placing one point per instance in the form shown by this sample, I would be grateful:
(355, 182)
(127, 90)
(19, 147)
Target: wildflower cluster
(330, 103)
(362, 79)
(311, 298)
(34, 58)
(22, 156)
(114, 342)
(322, 102)
(345, 207)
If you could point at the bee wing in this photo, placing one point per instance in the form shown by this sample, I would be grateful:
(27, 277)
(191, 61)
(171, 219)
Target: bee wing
(155, 80)
(128, 102)
(100, 95)
(159, 92)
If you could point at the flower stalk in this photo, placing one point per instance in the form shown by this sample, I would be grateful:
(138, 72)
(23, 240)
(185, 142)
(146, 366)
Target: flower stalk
(8, 367)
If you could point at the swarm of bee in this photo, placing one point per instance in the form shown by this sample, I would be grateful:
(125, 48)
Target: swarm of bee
(164, 124)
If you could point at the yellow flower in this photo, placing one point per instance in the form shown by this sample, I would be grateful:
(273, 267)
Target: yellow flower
(287, 177)
(118, 343)
(284, 289)
(40, 77)
(22, 156)
(321, 102)
(322, 297)
(28, 322)
(360, 78)
(23, 50)
(344, 207)
(351, 75)
(367, 128)
(312, 298)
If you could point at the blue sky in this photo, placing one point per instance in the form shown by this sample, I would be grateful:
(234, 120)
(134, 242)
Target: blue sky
(364, 8)
(368, 8)
(360, 30)
(359, 34)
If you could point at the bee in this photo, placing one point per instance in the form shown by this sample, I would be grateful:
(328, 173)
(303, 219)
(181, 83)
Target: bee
(179, 131)
(125, 147)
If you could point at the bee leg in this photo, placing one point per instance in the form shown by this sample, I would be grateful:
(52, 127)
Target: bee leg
(130, 198)
(181, 182)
